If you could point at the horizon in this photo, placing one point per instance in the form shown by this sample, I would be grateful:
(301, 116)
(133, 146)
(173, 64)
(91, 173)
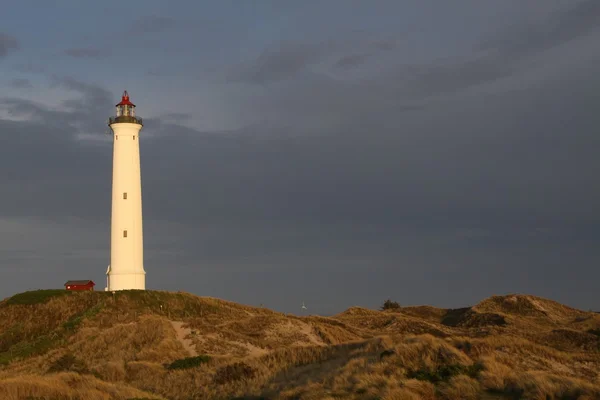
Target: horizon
(338, 154)
(308, 313)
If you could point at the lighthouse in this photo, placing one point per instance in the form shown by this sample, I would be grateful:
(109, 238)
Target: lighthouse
(126, 269)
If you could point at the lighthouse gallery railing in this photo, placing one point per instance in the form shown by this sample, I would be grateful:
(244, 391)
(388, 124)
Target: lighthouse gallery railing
(123, 118)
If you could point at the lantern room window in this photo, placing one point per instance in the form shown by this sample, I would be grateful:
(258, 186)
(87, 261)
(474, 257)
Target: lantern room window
(125, 111)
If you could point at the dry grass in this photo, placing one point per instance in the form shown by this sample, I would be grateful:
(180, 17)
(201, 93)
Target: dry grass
(121, 345)
(67, 386)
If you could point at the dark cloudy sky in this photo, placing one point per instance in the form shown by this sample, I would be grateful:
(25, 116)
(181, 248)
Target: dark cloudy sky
(333, 152)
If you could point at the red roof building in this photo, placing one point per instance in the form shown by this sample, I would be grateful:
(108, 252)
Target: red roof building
(80, 285)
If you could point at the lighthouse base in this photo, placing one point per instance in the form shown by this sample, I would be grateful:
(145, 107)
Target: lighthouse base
(125, 281)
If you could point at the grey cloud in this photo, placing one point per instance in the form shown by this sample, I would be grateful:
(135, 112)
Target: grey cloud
(381, 195)
(151, 24)
(89, 111)
(30, 68)
(281, 62)
(21, 83)
(370, 49)
(157, 72)
(85, 53)
(8, 43)
(35, 112)
(288, 60)
(448, 77)
(56, 150)
(435, 155)
(352, 60)
(175, 117)
(371, 180)
(504, 56)
(501, 57)
(87, 90)
(322, 103)
(386, 44)
(563, 25)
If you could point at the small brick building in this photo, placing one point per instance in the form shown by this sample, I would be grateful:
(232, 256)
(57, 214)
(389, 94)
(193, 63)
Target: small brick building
(80, 285)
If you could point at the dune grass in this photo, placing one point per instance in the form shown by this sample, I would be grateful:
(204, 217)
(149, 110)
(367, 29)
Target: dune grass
(124, 345)
(36, 296)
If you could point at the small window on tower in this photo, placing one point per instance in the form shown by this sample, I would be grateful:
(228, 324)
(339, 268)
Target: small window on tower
(117, 137)
(124, 233)
(125, 196)
(134, 138)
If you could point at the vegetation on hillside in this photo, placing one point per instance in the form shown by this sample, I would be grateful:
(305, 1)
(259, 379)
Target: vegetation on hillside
(36, 296)
(390, 305)
(160, 345)
(189, 362)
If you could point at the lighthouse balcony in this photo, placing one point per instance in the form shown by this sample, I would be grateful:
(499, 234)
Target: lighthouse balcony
(125, 119)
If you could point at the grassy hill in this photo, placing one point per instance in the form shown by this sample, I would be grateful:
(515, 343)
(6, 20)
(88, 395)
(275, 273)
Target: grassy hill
(57, 345)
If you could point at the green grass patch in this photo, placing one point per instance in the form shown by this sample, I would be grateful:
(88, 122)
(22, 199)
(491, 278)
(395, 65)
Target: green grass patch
(594, 332)
(68, 362)
(13, 347)
(73, 323)
(189, 362)
(36, 296)
(177, 305)
(234, 372)
(445, 372)
(27, 349)
(10, 337)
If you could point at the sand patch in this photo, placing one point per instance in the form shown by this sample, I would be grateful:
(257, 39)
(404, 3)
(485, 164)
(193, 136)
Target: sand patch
(182, 337)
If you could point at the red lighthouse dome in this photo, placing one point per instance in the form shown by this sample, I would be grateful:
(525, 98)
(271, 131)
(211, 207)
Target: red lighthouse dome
(125, 100)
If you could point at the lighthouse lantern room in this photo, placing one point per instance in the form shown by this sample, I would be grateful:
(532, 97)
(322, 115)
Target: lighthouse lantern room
(125, 111)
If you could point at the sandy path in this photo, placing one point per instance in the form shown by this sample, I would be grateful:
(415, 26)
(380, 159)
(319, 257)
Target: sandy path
(182, 334)
(254, 351)
(306, 329)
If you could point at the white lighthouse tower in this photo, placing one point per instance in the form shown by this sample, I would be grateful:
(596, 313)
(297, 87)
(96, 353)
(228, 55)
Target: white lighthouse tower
(126, 269)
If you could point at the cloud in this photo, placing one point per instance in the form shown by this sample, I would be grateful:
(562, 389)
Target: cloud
(8, 44)
(506, 55)
(559, 27)
(450, 193)
(160, 72)
(386, 44)
(30, 68)
(175, 117)
(89, 92)
(453, 75)
(281, 62)
(400, 175)
(151, 24)
(89, 111)
(53, 131)
(352, 60)
(21, 83)
(85, 53)
(371, 49)
(21, 108)
(287, 60)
